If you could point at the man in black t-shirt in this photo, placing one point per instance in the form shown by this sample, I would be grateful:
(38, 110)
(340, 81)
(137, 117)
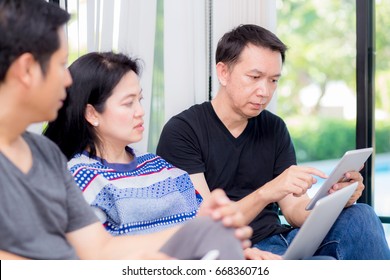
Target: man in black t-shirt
(235, 144)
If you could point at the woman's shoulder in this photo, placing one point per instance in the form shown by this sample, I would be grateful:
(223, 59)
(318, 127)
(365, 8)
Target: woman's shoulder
(150, 158)
(82, 161)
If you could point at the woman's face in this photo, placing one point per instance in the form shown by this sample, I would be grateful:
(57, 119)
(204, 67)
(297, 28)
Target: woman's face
(121, 122)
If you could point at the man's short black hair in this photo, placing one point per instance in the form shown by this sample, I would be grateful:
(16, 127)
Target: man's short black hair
(231, 45)
(29, 26)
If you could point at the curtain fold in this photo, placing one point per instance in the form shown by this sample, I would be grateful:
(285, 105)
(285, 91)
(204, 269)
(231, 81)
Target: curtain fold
(137, 31)
(185, 55)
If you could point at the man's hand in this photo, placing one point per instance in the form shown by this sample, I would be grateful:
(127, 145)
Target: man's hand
(295, 180)
(257, 254)
(219, 207)
(151, 256)
(350, 178)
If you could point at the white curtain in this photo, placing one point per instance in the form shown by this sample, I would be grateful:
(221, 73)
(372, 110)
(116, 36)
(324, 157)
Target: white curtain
(188, 30)
(126, 26)
(185, 54)
(227, 14)
(137, 27)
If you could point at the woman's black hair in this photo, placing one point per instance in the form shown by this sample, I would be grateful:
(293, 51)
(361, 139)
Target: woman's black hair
(94, 75)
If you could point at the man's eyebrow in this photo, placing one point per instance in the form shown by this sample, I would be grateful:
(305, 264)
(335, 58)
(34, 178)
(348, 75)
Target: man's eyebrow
(262, 73)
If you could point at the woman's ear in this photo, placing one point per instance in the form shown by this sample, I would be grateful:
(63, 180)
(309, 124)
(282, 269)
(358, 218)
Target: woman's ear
(222, 73)
(91, 115)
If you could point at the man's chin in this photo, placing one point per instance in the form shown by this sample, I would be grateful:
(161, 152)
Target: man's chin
(254, 114)
(51, 117)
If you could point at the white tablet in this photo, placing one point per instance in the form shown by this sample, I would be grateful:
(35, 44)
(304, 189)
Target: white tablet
(318, 224)
(351, 161)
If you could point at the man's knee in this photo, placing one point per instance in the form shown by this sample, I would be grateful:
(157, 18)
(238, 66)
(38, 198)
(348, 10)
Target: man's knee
(362, 213)
(363, 221)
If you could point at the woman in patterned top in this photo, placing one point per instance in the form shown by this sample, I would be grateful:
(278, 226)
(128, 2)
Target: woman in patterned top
(131, 192)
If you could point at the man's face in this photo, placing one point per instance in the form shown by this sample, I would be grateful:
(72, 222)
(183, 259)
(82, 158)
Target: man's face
(49, 89)
(252, 81)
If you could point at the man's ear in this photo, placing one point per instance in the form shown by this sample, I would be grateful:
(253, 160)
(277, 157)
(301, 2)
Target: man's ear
(24, 69)
(222, 73)
(91, 115)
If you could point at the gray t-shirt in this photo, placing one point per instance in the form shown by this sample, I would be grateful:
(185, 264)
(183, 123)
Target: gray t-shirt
(40, 207)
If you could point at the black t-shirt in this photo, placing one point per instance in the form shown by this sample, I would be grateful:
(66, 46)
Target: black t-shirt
(197, 141)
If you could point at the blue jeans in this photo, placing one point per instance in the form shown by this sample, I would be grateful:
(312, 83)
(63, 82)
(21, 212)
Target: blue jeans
(356, 235)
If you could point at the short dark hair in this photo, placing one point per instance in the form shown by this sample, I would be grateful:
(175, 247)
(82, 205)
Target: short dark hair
(29, 26)
(231, 45)
(94, 75)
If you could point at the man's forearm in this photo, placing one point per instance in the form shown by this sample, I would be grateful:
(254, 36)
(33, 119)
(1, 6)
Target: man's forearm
(295, 212)
(4, 255)
(123, 247)
(252, 205)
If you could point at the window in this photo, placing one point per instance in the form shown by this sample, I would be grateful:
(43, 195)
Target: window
(317, 93)
(381, 188)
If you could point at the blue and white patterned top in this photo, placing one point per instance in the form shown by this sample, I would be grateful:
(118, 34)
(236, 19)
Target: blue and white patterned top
(147, 195)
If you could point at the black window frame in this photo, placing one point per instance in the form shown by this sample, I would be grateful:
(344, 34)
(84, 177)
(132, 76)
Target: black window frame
(365, 85)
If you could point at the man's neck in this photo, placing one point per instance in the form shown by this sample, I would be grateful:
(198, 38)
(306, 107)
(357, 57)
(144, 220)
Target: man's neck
(12, 125)
(9, 135)
(18, 152)
(233, 121)
(13, 121)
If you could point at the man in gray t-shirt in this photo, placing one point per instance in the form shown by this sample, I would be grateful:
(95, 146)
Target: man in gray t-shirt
(49, 187)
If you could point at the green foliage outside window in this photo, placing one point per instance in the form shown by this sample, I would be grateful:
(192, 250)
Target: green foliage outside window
(328, 138)
(322, 49)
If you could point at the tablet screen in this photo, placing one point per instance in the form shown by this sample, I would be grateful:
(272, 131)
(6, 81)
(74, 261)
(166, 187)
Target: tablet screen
(351, 161)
